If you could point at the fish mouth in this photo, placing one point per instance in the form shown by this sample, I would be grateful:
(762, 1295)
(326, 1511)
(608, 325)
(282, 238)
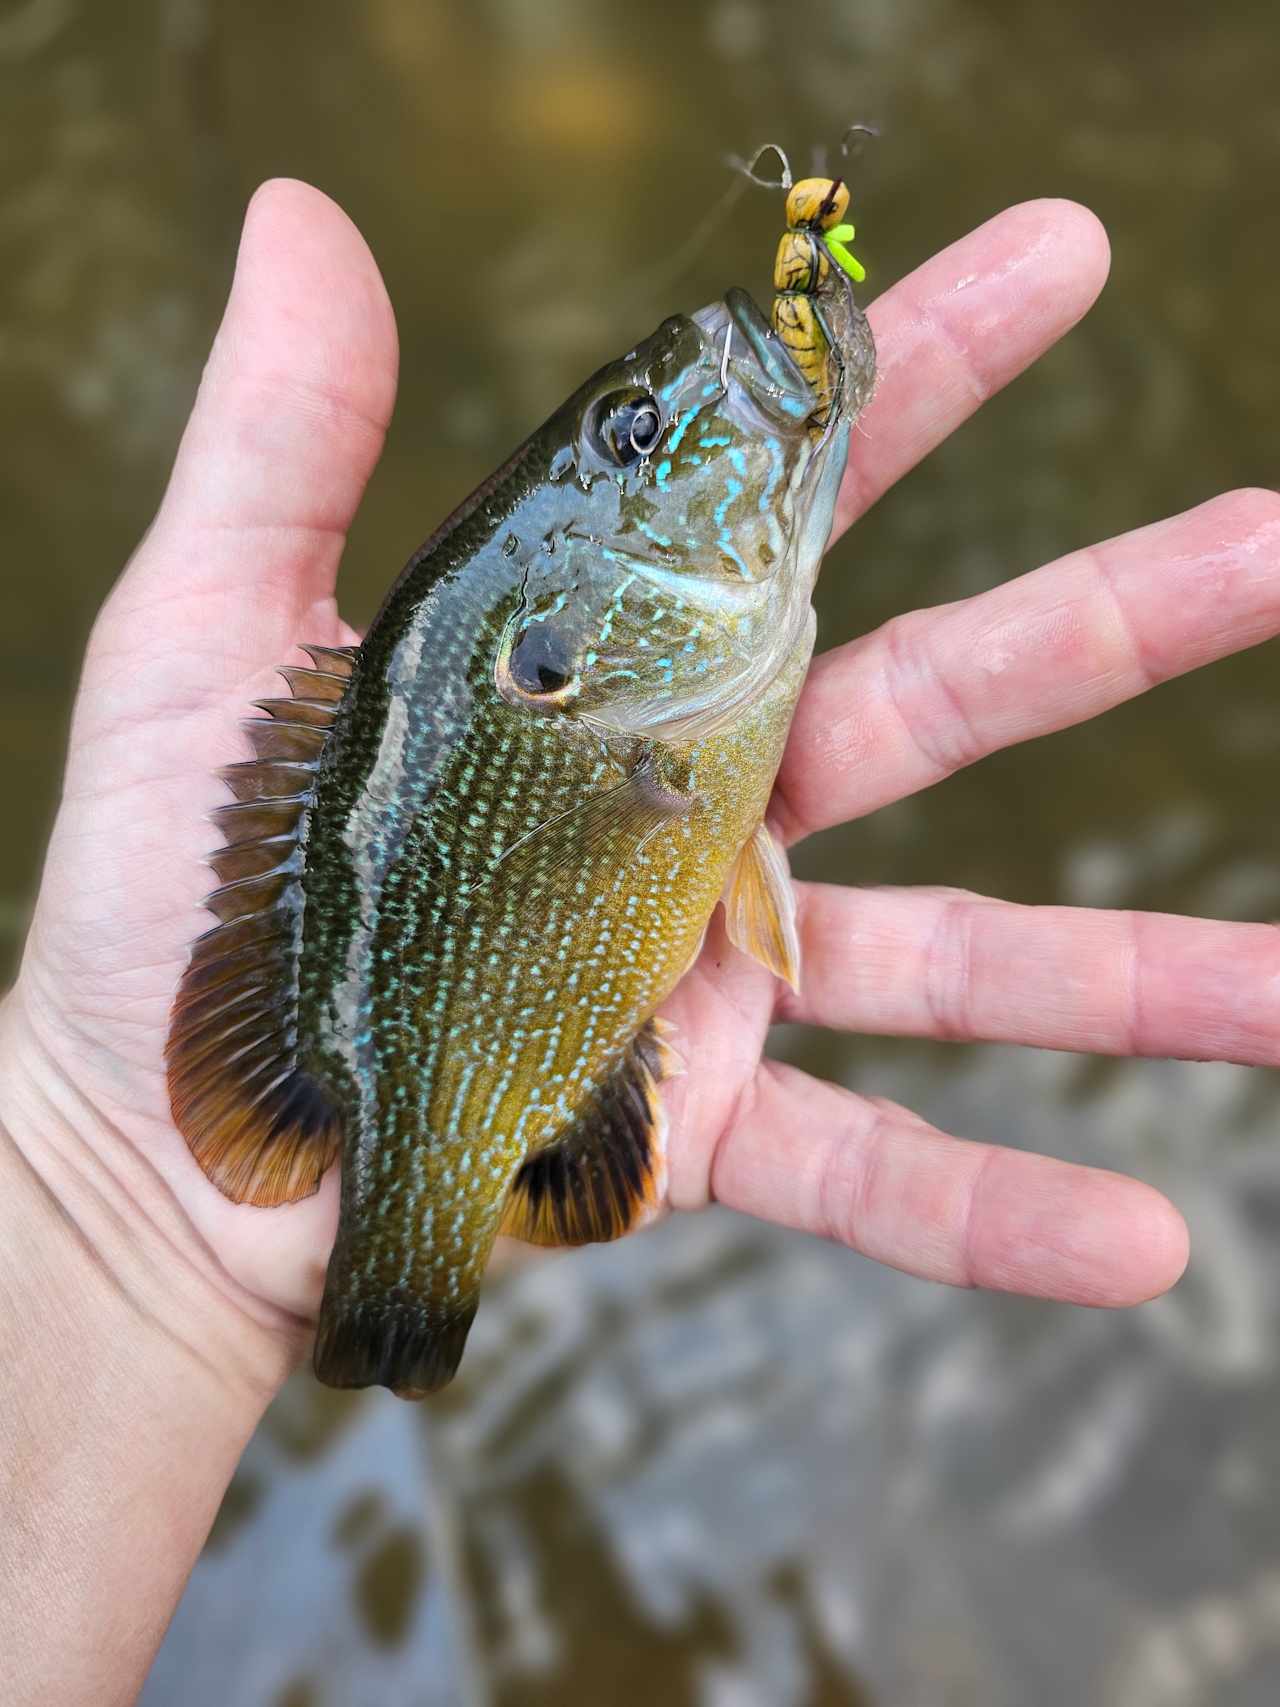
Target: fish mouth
(771, 377)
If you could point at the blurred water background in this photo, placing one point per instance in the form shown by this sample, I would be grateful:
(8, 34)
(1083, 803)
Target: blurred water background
(720, 1464)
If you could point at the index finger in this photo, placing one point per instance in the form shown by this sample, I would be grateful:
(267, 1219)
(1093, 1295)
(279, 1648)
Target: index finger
(935, 690)
(960, 327)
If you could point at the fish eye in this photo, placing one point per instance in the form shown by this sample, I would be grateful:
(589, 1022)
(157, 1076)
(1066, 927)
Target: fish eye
(540, 665)
(628, 427)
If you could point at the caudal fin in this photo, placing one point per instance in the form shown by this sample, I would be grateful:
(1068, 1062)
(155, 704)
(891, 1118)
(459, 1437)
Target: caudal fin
(396, 1341)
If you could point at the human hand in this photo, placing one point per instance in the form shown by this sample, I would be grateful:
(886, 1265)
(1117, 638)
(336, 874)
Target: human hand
(240, 566)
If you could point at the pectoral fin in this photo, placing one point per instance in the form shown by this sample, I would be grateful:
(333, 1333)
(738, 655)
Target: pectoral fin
(760, 907)
(598, 1180)
(611, 826)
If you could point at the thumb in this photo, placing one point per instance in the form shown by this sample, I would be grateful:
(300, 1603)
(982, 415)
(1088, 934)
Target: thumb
(238, 567)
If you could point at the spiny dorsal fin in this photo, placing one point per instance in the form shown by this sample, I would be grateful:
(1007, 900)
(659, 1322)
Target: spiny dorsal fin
(760, 907)
(601, 1177)
(259, 1126)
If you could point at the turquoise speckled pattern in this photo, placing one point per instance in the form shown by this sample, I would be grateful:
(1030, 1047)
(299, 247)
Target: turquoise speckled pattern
(500, 845)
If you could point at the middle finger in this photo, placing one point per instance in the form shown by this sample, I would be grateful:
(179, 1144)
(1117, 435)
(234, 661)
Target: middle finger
(942, 963)
(933, 691)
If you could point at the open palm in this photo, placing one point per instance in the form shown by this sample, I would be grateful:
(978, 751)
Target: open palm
(240, 567)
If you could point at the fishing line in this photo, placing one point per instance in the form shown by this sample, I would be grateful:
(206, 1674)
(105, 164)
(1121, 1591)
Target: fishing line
(664, 274)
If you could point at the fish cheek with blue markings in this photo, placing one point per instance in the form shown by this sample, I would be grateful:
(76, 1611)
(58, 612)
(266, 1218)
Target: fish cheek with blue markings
(670, 588)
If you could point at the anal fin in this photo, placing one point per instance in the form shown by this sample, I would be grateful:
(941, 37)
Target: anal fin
(607, 1172)
(760, 906)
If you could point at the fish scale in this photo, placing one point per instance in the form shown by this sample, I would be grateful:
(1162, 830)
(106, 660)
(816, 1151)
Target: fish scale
(474, 854)
(465, 1026)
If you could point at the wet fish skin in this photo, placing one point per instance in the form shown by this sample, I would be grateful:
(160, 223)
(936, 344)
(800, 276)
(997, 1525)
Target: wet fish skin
(546, 760)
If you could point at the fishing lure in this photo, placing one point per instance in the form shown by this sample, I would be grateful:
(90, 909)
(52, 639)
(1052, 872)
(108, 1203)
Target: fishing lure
(815, 236)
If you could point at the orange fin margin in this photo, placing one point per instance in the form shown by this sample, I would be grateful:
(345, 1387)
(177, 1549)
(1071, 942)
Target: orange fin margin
(607, 1173)
(260, 1127)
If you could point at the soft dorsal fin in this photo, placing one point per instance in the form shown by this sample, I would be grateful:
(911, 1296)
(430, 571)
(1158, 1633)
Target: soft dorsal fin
(259, 1126)
(600, 1178)
(760, 906)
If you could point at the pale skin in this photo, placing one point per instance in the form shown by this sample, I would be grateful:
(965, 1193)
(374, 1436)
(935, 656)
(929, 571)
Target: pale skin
(145, 1322)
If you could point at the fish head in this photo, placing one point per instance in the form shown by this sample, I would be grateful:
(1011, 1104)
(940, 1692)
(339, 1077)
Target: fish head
(694, 496)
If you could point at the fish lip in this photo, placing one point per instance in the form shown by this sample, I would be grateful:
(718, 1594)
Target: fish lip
(770, 377)
(792, 391)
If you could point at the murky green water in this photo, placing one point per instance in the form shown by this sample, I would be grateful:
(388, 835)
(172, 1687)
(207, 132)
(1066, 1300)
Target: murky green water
(719, 1464)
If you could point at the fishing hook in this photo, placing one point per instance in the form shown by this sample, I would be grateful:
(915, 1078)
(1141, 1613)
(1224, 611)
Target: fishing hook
(748, 167)
(863, 132)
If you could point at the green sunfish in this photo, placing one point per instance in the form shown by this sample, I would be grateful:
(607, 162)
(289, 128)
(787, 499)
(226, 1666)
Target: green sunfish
(475, 853)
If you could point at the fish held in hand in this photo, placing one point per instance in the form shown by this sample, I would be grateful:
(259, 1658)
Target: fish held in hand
(474, 854)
